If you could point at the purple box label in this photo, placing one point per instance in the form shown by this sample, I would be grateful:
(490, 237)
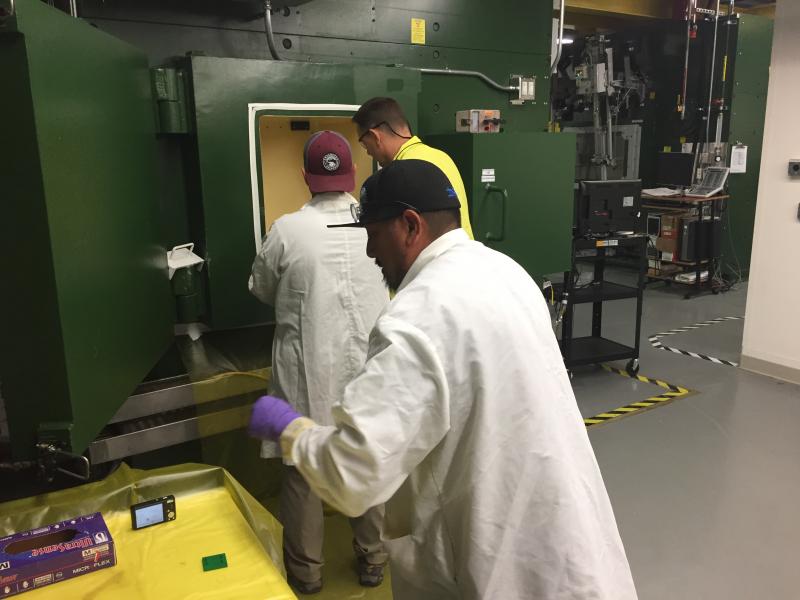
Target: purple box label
(46, 555)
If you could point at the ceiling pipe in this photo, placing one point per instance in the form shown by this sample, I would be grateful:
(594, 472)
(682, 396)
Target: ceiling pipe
(488, 81)
(559, 39)
(268, 30)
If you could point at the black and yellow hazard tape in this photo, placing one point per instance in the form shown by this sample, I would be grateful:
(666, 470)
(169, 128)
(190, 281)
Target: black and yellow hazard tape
(673, 393)
(655, 341)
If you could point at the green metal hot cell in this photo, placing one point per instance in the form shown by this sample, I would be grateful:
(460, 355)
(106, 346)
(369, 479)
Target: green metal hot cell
(85, 310)
(749, 104)
(520, 193)
(227, 95)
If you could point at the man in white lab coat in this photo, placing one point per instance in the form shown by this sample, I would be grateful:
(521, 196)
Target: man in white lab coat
(462, 420)
(326, 294)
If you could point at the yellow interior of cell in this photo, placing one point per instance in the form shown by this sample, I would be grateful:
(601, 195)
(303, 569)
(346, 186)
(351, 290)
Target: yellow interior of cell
(281, 143)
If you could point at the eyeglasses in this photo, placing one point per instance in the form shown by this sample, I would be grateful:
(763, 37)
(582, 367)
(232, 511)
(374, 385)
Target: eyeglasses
(361, 137)
(357, 211)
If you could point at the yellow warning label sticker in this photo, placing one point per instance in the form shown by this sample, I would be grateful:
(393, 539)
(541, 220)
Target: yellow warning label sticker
(418, 31)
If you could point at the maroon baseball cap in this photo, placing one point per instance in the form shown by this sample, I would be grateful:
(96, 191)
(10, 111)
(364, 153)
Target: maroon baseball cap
(328, 163)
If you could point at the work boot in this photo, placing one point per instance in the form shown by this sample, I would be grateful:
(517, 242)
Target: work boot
(369, 575)
(304, 587)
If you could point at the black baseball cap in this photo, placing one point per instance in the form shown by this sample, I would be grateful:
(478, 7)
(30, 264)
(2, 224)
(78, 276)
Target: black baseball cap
(403, 184)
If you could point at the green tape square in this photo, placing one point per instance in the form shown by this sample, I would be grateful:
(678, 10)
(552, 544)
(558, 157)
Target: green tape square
(215, 561)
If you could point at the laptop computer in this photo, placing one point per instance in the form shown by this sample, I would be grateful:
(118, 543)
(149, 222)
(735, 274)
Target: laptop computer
(713, 182)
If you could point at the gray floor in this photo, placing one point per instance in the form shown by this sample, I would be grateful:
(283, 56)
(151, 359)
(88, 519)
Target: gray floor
(705, 489)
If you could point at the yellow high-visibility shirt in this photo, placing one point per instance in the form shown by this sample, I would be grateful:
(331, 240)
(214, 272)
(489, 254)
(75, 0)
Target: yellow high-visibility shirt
(415, 149)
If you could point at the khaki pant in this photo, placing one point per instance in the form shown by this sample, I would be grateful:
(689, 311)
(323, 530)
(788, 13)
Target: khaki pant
(302, 520)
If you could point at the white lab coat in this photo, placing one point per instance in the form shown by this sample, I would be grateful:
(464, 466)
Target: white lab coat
(327, 295)
(464, 420)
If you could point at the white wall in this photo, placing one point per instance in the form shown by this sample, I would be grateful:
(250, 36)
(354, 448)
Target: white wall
(771, 343)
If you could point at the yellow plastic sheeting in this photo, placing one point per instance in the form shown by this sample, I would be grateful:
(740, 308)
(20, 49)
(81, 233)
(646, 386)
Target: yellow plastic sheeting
(226, 378)
(214, 515)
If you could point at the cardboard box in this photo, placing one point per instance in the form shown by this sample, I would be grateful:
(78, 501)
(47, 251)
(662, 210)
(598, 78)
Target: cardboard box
(38, 557)
(670, 226)
(669, 245)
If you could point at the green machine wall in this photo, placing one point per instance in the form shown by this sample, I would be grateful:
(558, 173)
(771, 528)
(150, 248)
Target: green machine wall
(221, 90)
(347, 35)
(93, 198)
(85, 310)
(507, 37)
(749, 105)
(525, 206)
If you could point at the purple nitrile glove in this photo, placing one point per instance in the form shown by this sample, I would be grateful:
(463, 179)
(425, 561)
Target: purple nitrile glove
(270, 417)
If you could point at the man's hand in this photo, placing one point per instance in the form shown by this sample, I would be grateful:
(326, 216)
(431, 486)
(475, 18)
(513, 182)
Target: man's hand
(270, 417)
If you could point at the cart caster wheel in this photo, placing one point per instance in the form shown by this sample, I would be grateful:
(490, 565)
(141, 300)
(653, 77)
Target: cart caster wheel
(715, 291)
(632, 368)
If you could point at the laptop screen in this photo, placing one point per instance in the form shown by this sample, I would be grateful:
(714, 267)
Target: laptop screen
(714, 177)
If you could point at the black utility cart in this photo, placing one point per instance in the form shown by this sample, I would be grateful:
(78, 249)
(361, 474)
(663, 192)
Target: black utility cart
(608, 218)
(595, 348)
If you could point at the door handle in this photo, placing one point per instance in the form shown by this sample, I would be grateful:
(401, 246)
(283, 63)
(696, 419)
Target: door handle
(493, 189)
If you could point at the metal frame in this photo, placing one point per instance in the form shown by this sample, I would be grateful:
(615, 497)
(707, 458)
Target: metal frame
(701, 241)
(168, 434)
(170, 402)
(154, 402)
(604, 293)
(630, 133)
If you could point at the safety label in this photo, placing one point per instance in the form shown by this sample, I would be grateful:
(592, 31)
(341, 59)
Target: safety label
(487, 176)
(606, 243)
(418, 31)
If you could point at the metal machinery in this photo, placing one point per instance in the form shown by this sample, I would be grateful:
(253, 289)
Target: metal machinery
(632, 94)
(695, 83)
(136, 189)
(595, 94)
(607, 147)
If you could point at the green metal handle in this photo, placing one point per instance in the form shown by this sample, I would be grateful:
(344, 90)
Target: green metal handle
(498, 237)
